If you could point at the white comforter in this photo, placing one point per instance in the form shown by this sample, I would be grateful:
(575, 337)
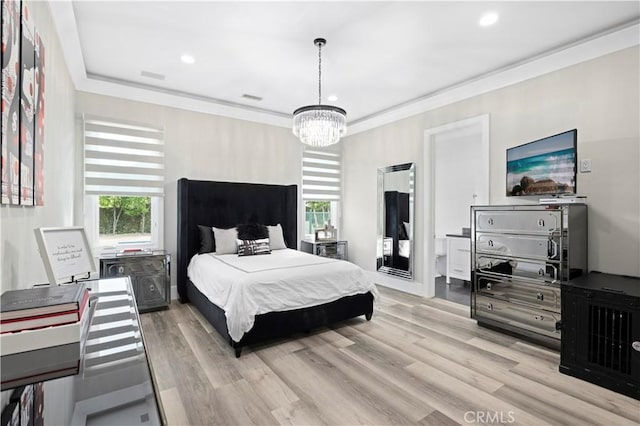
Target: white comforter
(283, 280)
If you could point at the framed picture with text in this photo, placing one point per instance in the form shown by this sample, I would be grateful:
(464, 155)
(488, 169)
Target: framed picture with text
(66, 254)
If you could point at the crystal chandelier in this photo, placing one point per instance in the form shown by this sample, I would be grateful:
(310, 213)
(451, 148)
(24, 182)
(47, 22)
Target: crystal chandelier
(319, 125)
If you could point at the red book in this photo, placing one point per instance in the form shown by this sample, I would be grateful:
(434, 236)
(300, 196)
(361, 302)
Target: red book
(31, 302)
(47, 320)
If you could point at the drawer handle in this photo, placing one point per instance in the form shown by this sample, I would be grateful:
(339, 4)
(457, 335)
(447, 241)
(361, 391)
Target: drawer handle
(538, 317)
(490, 243)
(490, 306)
(541, 272)
(540, 296)
(121, 269)
(552, 249)
(490, 221)
(540, 222)
(489, 286)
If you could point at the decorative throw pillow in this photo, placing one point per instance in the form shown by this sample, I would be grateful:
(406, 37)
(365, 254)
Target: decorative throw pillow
(252, 231)
(407, 229)
(207, 244)
(402, 233)
(225, 240)
(276, 238)
(251, 247)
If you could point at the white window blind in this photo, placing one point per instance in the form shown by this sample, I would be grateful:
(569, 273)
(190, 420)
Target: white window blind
(122, 158)
(321, 174)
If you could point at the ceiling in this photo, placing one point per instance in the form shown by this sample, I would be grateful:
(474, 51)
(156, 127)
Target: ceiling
(379, 55)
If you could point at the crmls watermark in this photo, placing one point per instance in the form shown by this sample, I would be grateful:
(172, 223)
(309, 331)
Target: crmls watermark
(491, 417)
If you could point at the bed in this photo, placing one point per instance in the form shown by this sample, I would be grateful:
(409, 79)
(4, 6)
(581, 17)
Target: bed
(227, 204)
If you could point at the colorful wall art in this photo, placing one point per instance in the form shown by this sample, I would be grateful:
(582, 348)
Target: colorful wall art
(22, 141)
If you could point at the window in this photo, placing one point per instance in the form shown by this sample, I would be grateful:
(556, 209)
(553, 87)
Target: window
(321, 180)
(124, 184)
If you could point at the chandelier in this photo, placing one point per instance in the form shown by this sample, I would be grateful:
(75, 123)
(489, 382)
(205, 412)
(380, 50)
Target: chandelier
(319, 125)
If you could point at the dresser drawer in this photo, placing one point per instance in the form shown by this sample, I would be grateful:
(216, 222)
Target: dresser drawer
(150, 290)
(521, 222)
(524, 317)
(131, 266)
(150, 276)
(533, 247)
(458, 258)
(536, 296)
(538, 270)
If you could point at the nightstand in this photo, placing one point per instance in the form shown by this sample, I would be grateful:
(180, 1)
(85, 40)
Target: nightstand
(333, 249)
(150, 275)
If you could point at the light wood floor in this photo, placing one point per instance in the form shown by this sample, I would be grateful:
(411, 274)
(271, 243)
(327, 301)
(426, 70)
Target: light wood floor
(418, 361)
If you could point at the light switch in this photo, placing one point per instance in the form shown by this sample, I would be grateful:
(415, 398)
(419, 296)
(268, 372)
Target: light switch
(585, 165)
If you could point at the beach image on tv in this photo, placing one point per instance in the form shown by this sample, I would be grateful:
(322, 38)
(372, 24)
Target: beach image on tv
(546, 166)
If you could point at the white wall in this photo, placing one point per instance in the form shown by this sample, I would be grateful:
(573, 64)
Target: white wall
(599, 97)
(207, 147)
(20, 262)
(454, 191)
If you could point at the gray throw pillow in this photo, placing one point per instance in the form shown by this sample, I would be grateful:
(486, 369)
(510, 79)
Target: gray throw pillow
(276, 238)
(226, 240)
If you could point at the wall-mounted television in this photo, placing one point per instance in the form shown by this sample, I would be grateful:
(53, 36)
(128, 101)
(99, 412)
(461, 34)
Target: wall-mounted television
(543, 167)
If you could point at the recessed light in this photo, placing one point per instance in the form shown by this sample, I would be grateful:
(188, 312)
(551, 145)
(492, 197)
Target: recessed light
(488, 19)
(187, 59)
(332, 98)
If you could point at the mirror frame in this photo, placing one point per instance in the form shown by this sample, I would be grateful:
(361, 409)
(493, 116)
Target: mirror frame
(400, 273)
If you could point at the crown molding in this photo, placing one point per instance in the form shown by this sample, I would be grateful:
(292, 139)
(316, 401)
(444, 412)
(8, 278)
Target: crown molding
(612, 41)
(65, 24)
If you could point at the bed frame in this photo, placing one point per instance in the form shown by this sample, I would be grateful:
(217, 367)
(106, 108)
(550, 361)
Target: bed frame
(226, 204)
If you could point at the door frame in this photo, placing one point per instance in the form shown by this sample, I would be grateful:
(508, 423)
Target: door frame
(474, 125)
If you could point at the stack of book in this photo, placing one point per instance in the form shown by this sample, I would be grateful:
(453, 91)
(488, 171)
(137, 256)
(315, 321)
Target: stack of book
(41, 333)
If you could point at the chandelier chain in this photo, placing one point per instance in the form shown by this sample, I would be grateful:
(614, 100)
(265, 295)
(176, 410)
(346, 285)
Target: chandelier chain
(319, 125)
(319, 73)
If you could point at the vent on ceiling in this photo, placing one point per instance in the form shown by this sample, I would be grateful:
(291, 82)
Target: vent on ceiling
(152, 75)
(252, 97)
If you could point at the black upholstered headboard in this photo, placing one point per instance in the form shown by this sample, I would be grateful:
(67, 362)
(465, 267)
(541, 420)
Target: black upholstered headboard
(227, 204)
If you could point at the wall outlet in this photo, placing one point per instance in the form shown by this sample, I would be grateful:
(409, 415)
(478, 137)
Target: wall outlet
(585, 165)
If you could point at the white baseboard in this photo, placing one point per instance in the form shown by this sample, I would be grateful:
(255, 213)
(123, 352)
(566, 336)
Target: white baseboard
(408, 286)
(174, 292)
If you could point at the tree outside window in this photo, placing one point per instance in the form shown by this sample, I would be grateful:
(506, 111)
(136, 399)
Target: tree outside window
(124, 219)
(317, 214)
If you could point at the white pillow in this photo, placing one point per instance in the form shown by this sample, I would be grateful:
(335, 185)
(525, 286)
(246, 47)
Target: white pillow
(226, 240)
(407, 229)
(276, 238)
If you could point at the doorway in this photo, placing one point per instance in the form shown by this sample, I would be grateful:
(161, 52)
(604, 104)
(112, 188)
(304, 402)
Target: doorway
(457, 177)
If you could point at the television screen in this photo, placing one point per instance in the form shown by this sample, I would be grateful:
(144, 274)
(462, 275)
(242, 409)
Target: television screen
(543, 167)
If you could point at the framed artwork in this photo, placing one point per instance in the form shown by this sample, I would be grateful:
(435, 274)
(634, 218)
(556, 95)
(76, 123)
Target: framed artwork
(38, 404)
(11, 415)
(66, 253)
(22, 141)
(11, 100)
(27, 106)
(38, 137)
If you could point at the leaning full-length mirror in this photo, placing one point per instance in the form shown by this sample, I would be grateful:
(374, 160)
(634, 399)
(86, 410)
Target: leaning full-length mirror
(395, 220)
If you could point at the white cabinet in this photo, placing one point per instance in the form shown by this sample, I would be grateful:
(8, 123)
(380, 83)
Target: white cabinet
(458, 258)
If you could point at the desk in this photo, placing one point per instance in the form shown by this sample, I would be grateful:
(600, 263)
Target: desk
(458, 257)
(115, 384)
